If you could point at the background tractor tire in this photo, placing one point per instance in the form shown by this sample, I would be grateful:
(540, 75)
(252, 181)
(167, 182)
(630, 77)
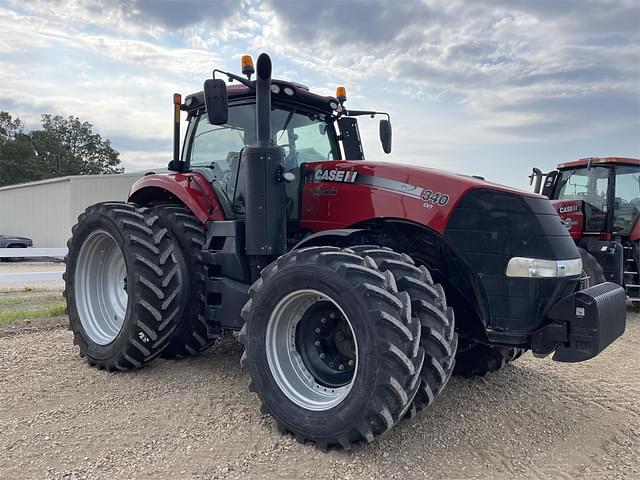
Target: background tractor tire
(479, 360)
(429, 307)
(123, 286)
(387, 356)
(593, 274)
(191, 336)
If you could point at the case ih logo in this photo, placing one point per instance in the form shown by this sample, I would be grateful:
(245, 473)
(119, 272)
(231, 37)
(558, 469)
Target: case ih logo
(344, 176)
(568, 209)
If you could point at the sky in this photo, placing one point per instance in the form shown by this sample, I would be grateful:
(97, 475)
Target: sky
(488, 88)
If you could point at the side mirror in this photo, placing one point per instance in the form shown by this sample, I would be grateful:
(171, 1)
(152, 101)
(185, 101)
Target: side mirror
(550, 183)
(385, 135)
(536, 176)
(215, 99)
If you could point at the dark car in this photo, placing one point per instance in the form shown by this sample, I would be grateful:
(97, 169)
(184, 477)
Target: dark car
(9, 241)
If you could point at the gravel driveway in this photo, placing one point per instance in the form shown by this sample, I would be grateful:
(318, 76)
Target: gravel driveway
(195, 419)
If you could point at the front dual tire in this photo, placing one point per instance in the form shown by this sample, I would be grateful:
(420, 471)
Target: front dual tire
(332, 347)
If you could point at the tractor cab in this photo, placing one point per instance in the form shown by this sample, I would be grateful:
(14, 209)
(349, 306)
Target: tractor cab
(603, 193)
(598, 200)
(306, 127)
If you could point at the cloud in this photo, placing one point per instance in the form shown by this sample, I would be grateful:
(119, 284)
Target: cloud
(457, 76)
(177, 14)
(356, 23)
(546, 63)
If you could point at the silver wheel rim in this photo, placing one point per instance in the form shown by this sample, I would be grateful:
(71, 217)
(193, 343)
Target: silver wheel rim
(100, 287)
(286, 364)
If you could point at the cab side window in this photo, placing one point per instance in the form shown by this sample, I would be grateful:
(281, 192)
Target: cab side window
(305, 138)
(218, 148)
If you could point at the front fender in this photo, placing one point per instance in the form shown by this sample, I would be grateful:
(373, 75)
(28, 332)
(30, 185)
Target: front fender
(191, 188)
(338, 237)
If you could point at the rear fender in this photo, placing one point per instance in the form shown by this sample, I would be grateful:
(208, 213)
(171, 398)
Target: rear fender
(191, 189)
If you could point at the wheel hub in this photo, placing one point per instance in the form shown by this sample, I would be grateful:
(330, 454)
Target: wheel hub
(325, 343)
(311, 350)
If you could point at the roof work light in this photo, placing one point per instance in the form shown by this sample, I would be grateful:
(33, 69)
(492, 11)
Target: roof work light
(247, 66)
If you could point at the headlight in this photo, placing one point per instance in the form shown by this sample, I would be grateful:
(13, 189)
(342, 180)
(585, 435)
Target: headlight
(537, 268)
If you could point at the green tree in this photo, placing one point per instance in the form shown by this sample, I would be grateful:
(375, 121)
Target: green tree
(18, 161)
(64, 146)
(9, 127)
(69, 147)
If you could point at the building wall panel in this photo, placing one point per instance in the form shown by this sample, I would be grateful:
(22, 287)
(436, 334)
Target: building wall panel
(46, 211)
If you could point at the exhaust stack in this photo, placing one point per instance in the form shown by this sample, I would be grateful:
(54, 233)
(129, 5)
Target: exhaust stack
(266, 201)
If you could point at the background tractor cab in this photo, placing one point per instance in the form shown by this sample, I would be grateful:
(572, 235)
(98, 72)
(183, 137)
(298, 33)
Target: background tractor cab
(598, 200)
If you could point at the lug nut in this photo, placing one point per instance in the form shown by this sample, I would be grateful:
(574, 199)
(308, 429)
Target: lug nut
(331, 364)
(350, 363)
(317, 343)
(322, 355)
(341, 367)
(332, 315)
(317, 330)
(323, 320)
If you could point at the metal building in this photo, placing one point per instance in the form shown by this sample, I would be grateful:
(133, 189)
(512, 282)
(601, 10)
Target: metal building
(46, 210)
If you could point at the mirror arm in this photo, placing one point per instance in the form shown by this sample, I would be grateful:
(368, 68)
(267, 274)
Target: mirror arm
(233, 76)
(361, 113)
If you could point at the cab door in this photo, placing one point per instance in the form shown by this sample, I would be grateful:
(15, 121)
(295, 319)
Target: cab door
(214, 151)
(306, 137)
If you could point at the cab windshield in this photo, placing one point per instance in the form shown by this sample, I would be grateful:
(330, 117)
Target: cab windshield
(304, 136)
(590, 185)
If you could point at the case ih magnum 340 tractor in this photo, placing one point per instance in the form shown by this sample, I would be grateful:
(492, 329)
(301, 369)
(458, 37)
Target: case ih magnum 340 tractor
(598, 200)
(342, 276)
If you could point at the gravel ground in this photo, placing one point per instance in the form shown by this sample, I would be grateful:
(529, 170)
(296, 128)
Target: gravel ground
(535, 419)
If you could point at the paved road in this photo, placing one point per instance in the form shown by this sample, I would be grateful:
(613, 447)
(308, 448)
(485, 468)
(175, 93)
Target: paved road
(31, 267)
(195, 419)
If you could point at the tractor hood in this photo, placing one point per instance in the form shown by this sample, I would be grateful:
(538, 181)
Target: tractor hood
(426, 177)
(388, 190)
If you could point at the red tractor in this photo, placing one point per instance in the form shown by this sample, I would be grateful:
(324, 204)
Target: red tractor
(341, 275)
(598, 200)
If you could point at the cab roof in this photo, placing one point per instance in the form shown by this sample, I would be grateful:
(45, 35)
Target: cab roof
(583, 162)
(286, 92)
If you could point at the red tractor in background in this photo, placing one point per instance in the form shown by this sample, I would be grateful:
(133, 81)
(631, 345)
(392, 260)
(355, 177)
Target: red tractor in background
(598, 200)
(340, 275)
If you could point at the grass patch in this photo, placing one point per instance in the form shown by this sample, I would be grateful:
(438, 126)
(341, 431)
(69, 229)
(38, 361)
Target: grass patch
(11, 301)
(52, 311)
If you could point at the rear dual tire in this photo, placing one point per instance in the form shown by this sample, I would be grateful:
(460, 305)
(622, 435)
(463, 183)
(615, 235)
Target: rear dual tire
(123, 286)
(192, 335)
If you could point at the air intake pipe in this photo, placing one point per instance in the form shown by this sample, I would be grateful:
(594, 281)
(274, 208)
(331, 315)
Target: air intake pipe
(265, 195)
